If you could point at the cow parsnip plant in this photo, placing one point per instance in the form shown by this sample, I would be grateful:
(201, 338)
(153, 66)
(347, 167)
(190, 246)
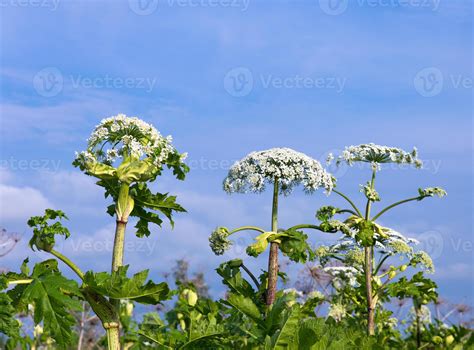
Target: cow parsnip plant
(283, 169)
(124, 154)
(364, 235)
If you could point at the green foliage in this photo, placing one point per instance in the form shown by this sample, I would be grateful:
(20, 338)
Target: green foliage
(294, 244)
(44, 232)
(418, 287)
(118, 286)
(52, 295)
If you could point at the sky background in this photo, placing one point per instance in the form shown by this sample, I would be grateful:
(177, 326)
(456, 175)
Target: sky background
(227, 77)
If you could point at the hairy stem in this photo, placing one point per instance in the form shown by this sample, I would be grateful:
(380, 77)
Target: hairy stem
(273, 255)
(123, 209)
(68, 262)
(113, 337)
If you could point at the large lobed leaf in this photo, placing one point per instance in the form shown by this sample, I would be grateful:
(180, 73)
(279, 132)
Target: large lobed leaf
(118, 286)
(53, 297)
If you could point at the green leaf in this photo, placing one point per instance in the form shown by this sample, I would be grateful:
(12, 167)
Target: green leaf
(295, 246)
(261, 243)
(8, 324)
(244, 305)
(44, 232)
(53, 297)
(118, 286)
(286, 337)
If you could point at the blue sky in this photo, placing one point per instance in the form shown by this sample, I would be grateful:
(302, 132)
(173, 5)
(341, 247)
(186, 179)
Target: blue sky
(226, 78)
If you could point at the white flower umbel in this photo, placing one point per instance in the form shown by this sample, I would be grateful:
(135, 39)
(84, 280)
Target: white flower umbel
(121, 136)
(291, 168)
(377, 154)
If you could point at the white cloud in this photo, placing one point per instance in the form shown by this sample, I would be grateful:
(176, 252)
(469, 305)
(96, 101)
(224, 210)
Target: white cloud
(19, 203)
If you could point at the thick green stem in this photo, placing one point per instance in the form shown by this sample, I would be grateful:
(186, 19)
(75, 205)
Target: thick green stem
(68, 262)
(119, 241)
(368, 257)
(368, 284)
(124, 206)
(113, 337)
(123, 210)
(273, 255)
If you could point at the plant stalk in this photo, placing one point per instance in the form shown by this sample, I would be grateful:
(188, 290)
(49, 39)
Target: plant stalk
(368, 257)
(123, 210)
(113, 338)
(273, 255)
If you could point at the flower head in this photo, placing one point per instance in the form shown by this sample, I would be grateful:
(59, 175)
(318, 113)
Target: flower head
(432, 191)
(377, 154)
(316, 294)
(218, 240)
(421, 257)
(337, 311)
(127, 138)
(291, 168)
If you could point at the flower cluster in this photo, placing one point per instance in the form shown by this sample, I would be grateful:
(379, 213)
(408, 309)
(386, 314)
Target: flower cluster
(337, 311)
(377, 154)
(370, 193)
(291, 168)
(432, 191)
(341, 274)
(423, 258)
(125, 137)
(218, 240)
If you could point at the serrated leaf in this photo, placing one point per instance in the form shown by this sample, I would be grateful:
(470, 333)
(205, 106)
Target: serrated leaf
(118, 286)
(244, 305)
(53, 297)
